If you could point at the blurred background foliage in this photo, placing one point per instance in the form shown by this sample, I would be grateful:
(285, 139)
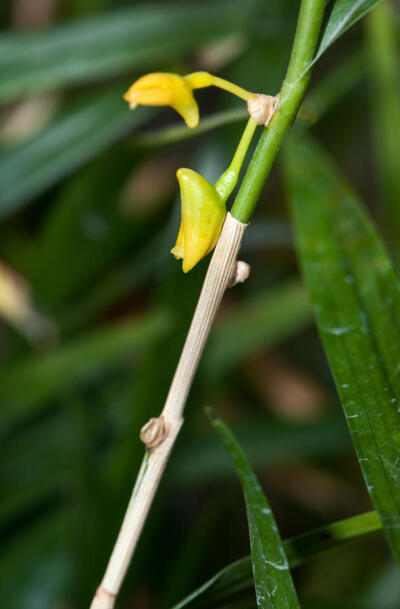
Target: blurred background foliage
(94, 309)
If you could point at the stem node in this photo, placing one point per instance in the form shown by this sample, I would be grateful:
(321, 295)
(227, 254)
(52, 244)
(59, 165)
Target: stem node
(262, 107)
(153, 432)
(240, 273)
(103, 599)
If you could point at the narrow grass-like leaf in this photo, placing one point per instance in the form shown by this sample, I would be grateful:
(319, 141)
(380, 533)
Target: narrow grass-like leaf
(94, 48)
(34, 564)
(179, 132)
(30, 384)
(356, 298)
(323, 602)
(29, 168)
(121, 280)
(383, 590)
(344, 14)
(42, 461)
(272, 578)
(36, 465)
(37, 462)
(85, 233)
(337, 84)
(270, 316)
(266, 443)
(384, 65)
(113, 286)
(236, 578)
(270, 319)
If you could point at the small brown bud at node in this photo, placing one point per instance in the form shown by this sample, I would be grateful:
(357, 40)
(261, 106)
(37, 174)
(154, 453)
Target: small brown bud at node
(153, 433)
(262, 107)
(240, 274)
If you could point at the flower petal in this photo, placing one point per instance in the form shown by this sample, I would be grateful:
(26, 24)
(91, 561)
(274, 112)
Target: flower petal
(164, 89)
(203, 215)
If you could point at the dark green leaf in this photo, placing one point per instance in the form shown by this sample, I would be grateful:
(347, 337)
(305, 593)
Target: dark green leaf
(266, 318)
(266, 443)
(36, 465)
(337, 84)
(356, 298)
(179, 132)
(85, 233)
(236, 578)
(35, 566)
(384, 590)
(30, 384)
(113, 285)
(345, 13)
(26, 170)
(120, 40)
(48, 458)
(384, 66)
(272, 579)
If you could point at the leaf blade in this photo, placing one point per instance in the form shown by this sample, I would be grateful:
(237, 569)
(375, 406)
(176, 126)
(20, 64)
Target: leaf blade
(344, 14)
(384, 65)
(356, 298)
(262, 321)
(28, 169)
(272, 579)
(83, 360)
(94, 48)
(236, 578)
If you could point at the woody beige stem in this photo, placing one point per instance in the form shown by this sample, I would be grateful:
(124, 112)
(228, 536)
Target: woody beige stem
(159, 434)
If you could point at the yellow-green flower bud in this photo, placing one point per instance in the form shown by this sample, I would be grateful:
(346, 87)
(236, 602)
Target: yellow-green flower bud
(203, 214)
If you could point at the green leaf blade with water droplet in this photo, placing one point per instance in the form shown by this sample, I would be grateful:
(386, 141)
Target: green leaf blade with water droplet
(356, 297)
(272, 578)
(236, 578)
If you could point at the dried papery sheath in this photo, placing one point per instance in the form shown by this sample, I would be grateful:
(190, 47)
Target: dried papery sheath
(262, 107)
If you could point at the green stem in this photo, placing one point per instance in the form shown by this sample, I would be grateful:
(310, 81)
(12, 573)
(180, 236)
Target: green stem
(384, 71)
(229, 178)
(292, 93)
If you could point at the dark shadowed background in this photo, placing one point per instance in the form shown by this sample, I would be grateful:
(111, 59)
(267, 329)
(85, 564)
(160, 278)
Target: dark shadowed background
(94, 309)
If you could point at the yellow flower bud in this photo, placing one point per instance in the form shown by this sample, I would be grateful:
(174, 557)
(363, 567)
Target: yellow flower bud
(203, 214)
(164, 89)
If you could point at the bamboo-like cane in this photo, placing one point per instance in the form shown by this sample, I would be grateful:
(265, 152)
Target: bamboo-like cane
(159, 434)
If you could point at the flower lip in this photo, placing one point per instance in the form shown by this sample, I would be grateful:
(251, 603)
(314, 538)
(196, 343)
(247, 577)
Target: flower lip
(164, 89)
